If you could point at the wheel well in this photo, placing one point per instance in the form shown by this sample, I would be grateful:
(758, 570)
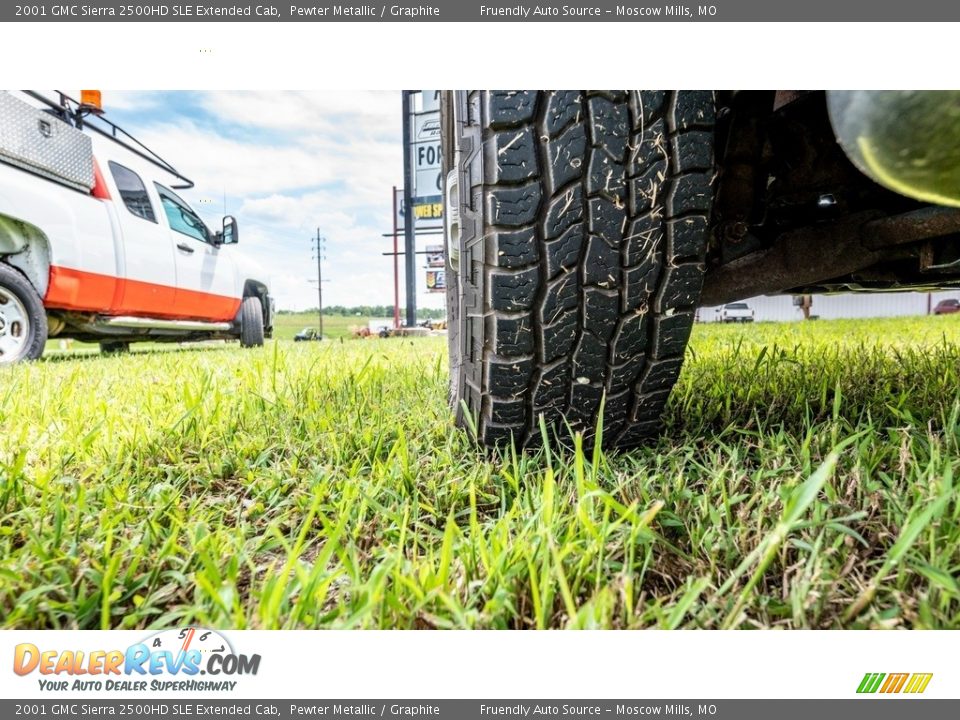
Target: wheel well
(254, 288)
(26, 248)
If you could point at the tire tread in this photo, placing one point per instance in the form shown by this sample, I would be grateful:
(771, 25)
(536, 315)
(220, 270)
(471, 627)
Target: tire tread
(595, 216)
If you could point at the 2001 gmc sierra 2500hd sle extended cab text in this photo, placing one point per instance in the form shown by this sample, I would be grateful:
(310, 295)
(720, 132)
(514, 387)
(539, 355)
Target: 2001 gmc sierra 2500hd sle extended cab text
(96, 244)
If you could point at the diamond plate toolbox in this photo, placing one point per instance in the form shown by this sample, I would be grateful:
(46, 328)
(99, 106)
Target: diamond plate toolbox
(43, 144)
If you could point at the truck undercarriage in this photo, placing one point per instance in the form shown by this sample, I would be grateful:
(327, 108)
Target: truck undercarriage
(794, 214)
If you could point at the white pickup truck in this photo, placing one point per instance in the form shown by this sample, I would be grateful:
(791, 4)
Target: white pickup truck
(735, 312)
(96, 244)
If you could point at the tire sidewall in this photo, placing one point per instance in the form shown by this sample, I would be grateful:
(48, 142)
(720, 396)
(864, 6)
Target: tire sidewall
(251, 322)
(14, 282)
(448, 154)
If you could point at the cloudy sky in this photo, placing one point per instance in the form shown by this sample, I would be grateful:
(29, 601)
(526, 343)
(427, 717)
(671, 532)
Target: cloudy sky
(288, 163)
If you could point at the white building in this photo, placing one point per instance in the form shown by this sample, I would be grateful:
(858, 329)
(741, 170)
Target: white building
(780, 308)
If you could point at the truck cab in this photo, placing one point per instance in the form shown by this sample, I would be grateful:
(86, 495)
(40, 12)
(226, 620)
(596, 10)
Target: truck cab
(97, 244)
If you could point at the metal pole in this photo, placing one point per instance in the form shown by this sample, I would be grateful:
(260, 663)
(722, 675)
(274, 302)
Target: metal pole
(396, 265)
(319, 250)
(320, 281)
(409, 238)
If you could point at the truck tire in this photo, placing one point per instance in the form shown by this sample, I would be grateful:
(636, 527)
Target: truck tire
(23, 321)
(576, 264)
(251, 322)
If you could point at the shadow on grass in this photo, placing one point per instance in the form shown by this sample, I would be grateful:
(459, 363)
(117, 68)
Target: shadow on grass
(87, 354)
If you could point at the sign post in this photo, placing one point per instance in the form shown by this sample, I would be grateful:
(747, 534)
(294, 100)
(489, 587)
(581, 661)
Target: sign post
(418, 208)
(396, 264)
(409, 239)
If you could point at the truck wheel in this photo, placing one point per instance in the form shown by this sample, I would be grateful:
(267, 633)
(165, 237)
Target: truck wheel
(577, 255)
(23, 321)
(251, 322)
(114, 347)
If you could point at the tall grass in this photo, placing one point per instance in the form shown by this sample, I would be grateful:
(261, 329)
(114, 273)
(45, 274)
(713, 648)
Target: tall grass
(805, 479)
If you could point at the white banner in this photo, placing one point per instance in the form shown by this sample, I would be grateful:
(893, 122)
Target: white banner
(464, 664)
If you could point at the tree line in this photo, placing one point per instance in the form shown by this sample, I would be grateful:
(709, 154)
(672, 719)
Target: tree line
(369, 311)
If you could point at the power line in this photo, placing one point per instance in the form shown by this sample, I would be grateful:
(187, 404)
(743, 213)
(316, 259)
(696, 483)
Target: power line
(319, 247)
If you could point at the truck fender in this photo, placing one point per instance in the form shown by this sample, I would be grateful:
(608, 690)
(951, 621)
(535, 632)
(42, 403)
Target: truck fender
(25, 247)
(255, 288)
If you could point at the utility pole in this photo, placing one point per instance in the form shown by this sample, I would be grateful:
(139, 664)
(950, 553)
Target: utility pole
(396, 261)
(409, 238)
(319, 246)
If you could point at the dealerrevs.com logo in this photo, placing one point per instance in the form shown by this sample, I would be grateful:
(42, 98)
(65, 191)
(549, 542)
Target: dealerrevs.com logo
(172, 660)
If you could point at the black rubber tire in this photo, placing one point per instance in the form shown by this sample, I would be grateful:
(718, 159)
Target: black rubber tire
(251, 322)
(16, 284)
(583, 224)
(114, 347)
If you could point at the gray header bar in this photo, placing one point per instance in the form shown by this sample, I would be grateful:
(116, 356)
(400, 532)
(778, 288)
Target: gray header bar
(77, 707)
(480, 11)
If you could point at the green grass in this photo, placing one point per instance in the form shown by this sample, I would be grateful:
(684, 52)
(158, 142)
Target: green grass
(806, 478)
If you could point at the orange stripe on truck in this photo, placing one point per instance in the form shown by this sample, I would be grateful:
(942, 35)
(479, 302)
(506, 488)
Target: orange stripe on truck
(83, 291)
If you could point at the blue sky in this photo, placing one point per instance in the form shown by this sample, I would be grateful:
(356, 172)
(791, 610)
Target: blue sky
(288, 162)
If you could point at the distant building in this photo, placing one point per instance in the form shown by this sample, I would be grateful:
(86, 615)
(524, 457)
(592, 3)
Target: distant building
(781, 308)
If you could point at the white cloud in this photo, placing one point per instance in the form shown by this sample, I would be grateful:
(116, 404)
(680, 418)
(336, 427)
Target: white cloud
(217, 163)
(338, 113)
(290, 162)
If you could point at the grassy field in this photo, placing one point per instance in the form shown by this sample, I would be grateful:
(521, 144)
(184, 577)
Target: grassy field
(806, 478)
(286, 325)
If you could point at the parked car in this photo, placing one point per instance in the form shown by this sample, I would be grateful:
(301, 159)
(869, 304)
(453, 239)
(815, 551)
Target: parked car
(947, 307)
(584, 227)
(97, 245)
(735, 312)
(308, 334)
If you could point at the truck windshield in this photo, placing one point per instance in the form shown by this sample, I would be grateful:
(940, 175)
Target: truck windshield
(180, 216)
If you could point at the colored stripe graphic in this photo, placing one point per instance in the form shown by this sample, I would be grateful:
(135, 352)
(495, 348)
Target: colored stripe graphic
(918, 682)
(893, 683)
(870, 682)
(71, 289)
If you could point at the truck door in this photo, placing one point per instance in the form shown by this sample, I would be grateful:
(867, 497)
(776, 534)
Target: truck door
(148, 283)
(206, 274)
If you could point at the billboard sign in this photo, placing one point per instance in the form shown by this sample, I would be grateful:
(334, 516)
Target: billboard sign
(425, 153)
(436, 280)
(427, 212)
(429, 101)
(434, 256)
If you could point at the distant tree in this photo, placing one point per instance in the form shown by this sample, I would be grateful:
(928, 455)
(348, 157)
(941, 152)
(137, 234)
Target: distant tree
(372, 311)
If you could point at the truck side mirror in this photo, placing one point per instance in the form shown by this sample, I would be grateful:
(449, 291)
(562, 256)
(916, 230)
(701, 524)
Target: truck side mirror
(231, 233)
